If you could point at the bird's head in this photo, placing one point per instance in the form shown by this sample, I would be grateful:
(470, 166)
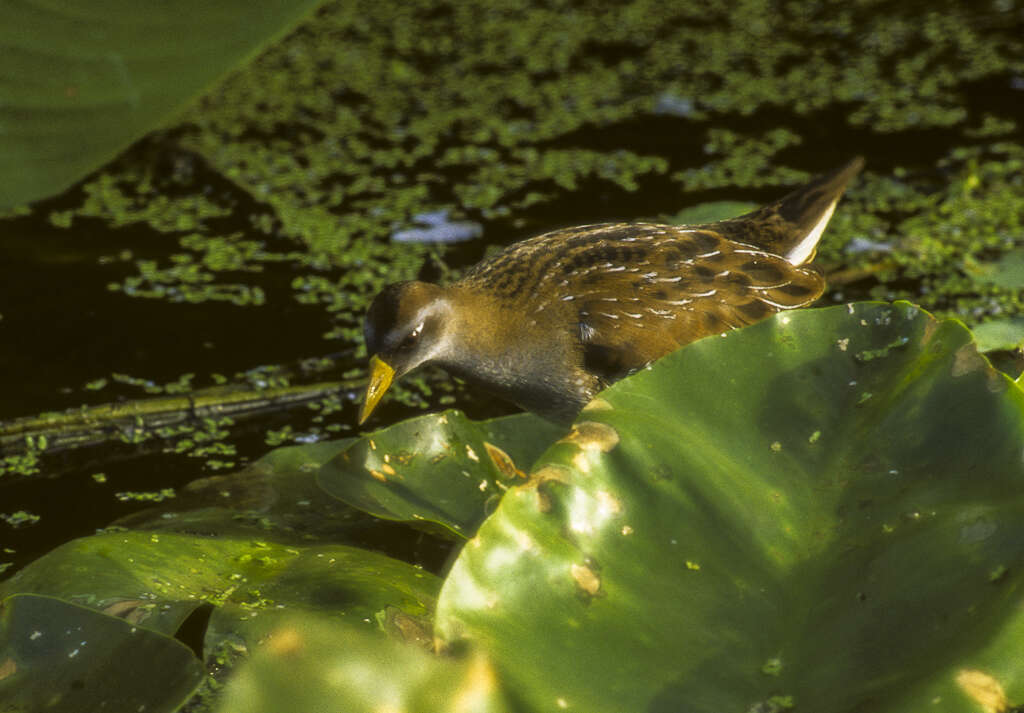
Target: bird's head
(405, 328)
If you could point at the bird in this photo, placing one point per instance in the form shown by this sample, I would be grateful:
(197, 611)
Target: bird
(550, 321)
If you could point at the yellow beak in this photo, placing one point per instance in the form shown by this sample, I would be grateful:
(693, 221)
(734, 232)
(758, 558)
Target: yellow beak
(381, 374)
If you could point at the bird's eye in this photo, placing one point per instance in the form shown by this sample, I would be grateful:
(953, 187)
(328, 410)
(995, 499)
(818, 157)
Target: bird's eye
(414, 336)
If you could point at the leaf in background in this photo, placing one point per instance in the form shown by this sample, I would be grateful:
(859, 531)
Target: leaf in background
(711, 212)
(1007, 271)
(82, 79)
(1000, 334)
(824, 510)
(63, 658)
(440, 468)
(316, 664)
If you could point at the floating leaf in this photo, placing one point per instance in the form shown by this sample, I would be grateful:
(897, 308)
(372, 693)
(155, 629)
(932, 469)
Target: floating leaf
(63, 658)
(314, 664)
(741, 529)
(1000, 334)
(440, 468)
(155, 580)
(712, 211)
(1007, 272)
(256, 563)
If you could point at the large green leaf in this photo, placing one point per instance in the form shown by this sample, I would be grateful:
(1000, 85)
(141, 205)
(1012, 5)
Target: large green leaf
(824, 510)
(263, 557)
(263, 552)
(81, 79)
(274, 498)
(157, 579)
(315, 664)
(63, 658)
(441, 468)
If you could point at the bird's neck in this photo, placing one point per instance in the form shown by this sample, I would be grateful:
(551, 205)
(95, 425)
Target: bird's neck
(510, 352)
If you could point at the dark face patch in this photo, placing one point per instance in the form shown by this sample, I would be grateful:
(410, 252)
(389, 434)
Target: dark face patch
(397, 312)
(383, 316)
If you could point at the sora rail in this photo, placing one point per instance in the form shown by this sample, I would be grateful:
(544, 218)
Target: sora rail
(548, 322)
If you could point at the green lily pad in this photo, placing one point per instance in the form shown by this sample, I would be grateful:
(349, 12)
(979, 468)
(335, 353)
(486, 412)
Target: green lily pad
(155, 580)
(83, 79)
(264, 553)
(264, 557)
(712, 211)
(1000, 334)
(64, 658)
(823, 511)
(1007, 271)
(315, 664)
(275, 498)
(441, 468)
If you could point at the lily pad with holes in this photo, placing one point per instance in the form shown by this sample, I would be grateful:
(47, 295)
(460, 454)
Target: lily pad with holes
(441, 469)
(821, 512)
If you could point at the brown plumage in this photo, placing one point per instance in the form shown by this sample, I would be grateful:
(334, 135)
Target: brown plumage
(549, 321)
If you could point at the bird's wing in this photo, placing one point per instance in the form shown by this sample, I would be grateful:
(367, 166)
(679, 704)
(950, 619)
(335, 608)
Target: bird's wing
(690, 284)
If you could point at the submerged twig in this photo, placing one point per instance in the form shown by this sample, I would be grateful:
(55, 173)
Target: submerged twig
(132, 421)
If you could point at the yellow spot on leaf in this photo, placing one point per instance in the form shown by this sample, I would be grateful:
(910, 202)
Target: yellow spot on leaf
(609, 504)
(8, 668)
(983, 689)
(586, 579)
(502, 461)
(966, 359)
(581, 462)
(591, 435)
(285, 641)
(477, 689)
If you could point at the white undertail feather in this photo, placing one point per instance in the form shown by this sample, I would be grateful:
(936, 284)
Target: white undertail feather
(804, 250)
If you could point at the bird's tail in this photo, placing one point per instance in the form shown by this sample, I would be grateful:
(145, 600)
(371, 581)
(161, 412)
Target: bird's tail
(792, 226)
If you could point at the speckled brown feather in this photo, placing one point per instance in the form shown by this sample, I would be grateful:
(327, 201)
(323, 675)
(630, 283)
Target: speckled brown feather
(549, 321)
(634, 292)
